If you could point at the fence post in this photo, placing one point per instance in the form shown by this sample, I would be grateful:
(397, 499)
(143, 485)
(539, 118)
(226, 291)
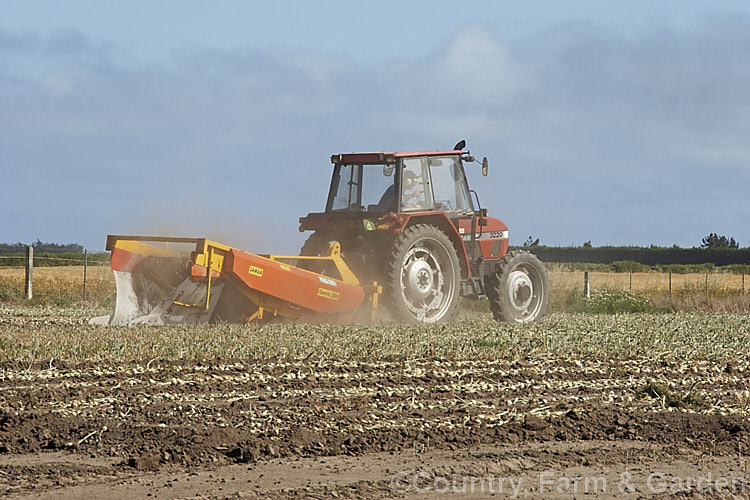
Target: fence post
(706, 283)
(631, 281)
(586, 284)
(85, 268)
(670, 286)
(29, 272)
(743, 282)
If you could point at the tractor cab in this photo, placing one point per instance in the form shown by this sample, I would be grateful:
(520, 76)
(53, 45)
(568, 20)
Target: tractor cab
(385, 191)
(378, 183)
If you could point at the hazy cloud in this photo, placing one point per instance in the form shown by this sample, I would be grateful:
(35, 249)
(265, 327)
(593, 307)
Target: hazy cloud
(591, 135)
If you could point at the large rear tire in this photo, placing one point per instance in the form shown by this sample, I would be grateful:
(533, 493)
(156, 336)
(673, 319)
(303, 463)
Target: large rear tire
(422, 276)
(518, 290)
(316, 244)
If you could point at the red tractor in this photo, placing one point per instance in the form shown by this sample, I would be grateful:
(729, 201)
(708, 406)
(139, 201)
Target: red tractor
(409, 221)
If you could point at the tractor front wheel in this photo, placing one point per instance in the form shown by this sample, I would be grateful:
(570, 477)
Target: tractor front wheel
(518, 290)
(422, 276)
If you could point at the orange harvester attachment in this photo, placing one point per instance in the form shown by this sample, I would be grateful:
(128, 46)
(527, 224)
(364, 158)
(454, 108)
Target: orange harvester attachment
(158, 284)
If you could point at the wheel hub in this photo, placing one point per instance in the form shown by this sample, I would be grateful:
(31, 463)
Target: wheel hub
(521, 290)
(419, 280)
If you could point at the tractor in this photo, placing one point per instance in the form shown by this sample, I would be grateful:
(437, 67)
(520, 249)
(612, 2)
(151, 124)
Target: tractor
(409, 221)
(403, 226)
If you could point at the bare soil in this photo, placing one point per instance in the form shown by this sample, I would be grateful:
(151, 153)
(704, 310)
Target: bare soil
(434, 427)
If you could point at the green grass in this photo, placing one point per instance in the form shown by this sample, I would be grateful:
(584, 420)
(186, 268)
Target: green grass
(675, 399)
(614, 302)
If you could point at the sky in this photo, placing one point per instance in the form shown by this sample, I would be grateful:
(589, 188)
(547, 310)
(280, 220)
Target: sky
(618, 122)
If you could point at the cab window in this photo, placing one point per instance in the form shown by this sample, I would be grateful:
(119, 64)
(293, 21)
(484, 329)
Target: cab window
(362, 188)
(448, 185)
(414, 182)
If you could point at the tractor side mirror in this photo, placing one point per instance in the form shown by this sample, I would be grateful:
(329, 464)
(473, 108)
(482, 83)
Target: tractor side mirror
(485, 166)
(388, 170)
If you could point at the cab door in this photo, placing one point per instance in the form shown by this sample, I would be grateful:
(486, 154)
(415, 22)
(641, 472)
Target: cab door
(450, 193)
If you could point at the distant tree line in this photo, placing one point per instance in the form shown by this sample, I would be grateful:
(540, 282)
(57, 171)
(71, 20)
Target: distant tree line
(714, 249)
(40, 247)
(713, 240)
(651, 256)
(49, 254)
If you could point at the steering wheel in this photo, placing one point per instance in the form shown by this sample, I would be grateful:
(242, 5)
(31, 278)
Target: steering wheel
(445, 205)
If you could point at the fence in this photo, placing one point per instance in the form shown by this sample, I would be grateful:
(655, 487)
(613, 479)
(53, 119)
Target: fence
(58, 277)
(708, 283)
(646, 256)
(91, 280)
(716, 290)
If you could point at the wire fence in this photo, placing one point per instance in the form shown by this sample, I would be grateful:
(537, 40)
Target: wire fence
(45, 260)
(60, 279)
(715, 290)
(669, 283)
(66, 279)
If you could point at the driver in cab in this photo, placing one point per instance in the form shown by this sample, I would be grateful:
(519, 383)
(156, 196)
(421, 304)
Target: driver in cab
(413, 190)
(413, 197)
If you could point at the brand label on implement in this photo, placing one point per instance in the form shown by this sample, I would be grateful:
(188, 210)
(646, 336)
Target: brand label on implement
(329, 294)
(256, 271)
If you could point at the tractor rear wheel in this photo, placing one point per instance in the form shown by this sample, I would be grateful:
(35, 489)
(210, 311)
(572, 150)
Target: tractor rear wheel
(316, 244)
(422, 276)
(518, 290)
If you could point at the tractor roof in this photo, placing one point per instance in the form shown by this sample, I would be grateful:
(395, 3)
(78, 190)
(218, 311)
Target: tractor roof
(387, 157)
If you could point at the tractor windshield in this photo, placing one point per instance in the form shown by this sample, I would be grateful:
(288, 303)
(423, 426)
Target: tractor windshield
(362, 188)
(434, 183)
(450, 192)
(427, 183)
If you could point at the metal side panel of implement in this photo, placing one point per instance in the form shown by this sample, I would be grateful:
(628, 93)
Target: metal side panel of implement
(298, 292)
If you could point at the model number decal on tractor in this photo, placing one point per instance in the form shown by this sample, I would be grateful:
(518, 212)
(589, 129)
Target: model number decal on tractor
(328, 294)
(490, 235)
(256, 271)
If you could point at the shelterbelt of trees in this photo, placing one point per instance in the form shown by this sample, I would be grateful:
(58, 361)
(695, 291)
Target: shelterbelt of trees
(49, 254)
(714, 249)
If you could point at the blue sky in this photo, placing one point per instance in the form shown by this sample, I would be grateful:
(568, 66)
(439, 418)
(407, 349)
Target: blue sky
(614, 122)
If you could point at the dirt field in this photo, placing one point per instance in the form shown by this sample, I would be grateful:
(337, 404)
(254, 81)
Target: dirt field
(545, 425)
